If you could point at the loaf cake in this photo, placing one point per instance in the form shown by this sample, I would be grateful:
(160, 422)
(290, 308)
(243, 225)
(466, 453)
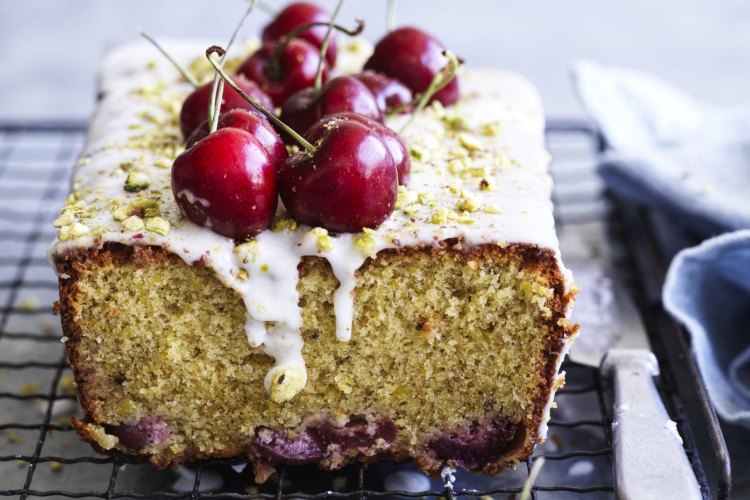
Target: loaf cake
(436, 338)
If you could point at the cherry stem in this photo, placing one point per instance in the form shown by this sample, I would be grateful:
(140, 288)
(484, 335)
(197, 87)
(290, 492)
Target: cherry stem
(324, 50)
(273, 67)
(267, 8)
(390, 15)
(217, 87)
(443, 78)
(215, 50)
(183, 71)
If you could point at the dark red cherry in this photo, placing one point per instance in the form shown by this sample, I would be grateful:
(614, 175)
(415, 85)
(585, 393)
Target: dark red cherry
(340, 95)
(256, 125)
(227, 183)
(297, 14)
(395, 144)
(389, 93)
(413, 57)
(195, 108)
(347, 183)
(293, 70)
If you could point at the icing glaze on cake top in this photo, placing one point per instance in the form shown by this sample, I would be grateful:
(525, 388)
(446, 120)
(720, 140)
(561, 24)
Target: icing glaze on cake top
(479, 174)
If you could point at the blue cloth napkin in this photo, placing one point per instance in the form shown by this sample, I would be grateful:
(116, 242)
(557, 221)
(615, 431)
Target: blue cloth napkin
(673, 153)
(669, 150)
(708, 290)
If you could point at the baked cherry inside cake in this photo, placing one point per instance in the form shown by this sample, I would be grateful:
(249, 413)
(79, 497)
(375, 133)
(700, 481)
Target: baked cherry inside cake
(435, 337)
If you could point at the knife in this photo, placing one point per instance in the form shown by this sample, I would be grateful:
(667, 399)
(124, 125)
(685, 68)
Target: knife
(649, 459)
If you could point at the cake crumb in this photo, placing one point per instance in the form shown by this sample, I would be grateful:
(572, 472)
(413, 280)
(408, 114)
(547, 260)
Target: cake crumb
(28, 303)
(29, 388)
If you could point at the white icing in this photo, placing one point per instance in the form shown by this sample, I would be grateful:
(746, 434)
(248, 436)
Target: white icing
(515, 160)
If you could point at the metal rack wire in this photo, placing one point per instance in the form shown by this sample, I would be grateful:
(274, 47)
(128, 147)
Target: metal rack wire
(36, 441)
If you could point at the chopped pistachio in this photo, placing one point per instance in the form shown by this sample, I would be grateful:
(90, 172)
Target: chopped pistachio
(120, 214)
(491, 129)
(456, 166)
(491, 208)
(454, 187)
(425, 197)
(366, 242)
(162, 163)
(405, 197)
(439, 216)
(248, 251)
(149, 207)
(286, 382)
(158, 225)
(137, 181)
(242, 275)
(419, 154)
(65, 219)
(283, 223)
(486, 184)
(469, 142)
(469, 202)
(78, 229)
(322, 240)
(75, 230)
(264, 268)
(455, 123)
(462, 218)
(133, 224)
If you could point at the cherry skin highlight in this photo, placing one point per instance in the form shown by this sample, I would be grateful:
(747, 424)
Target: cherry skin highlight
(256, 125)
(393, 141)
(195, 108)
(294, 70)
(296, 14)
(389, 93)
(413, 57)
(349, 182)
(227, 183)
(340, 95)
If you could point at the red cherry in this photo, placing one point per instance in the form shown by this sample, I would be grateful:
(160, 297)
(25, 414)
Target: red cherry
(342, 94)
(389, 93)
(195, 108)
(413, 57)
(294, 70)
(395, 144)
(226, 182)
(256, 125)
(297, 14)
(348, 182)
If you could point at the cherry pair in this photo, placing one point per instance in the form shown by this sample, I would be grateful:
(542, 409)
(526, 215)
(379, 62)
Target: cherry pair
(344, 179)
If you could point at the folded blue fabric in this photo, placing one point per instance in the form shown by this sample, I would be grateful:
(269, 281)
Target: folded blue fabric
(668, 150)
(692, 159)
(708, 290)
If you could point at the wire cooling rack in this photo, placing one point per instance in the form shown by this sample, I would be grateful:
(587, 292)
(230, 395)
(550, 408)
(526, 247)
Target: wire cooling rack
(41, 457)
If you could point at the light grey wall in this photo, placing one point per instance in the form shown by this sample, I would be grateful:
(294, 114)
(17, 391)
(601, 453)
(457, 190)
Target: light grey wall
(51, 49)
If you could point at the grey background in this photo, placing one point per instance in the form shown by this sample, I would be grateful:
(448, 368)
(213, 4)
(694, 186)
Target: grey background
(51, 48)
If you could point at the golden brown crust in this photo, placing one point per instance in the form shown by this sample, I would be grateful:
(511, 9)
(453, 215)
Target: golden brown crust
(72, 263)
